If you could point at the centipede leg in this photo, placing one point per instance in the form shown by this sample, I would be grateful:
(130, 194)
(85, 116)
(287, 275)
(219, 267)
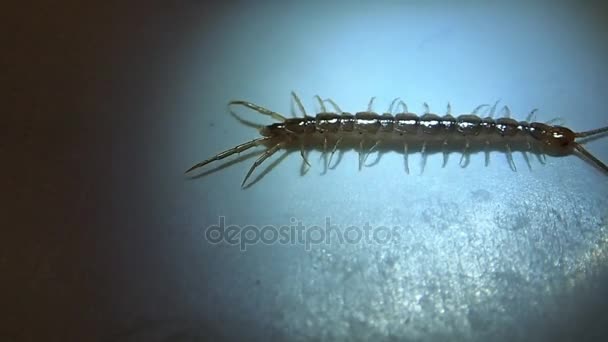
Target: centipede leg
(541, 158)
(478, 108)
(299, 103)
(424, 157)
(527, 159)
(556, 120)
(339, 156)
(405, 159)
(303, 154)
(390, 108)
(402, 104)
(525, 153)
(376, 161)
(333, 104)
(427, 109)
(237, 149)
(370, 105)
(540, 155)
(505, 112)
(510, 158)
(493, 108)
(487, 153)
(370, 151)
(449, 109)
(269, 152)
(464, 159)
(360, 154)
(532, 115)
(333, 150)
(324, 155)
(304, 169)
(321, 104)
(446, 154)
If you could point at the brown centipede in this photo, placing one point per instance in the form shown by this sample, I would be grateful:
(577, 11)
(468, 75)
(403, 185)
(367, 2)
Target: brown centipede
(406, 131)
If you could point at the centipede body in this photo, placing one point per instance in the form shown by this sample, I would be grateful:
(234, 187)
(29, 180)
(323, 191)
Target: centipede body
(407, 132)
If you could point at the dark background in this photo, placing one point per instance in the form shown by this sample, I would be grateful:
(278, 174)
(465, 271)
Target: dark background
(75, 75)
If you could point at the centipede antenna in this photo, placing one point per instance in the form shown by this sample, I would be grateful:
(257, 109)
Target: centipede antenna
(510, 158)
(323, 109)
(532, 116)
(371, 104)
(298, 103)
(333, 104)
(449, 109)
(390, 108)
(258, 109)
(237, 149)
(402, 104)
(591, 158)
(405, 159)
(478, 108)
(591, 133)
(424, 157)
(333, 150)
(303, 154)
(269, 152)
(427, 110)
(493, 108)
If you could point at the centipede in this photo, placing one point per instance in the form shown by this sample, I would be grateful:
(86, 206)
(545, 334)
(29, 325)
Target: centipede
(406, 132)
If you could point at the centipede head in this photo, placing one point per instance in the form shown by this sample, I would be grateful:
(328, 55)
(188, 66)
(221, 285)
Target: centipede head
(556, 140)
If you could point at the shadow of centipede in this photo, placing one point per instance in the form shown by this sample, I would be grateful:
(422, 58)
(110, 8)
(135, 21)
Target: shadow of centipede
(266, 170)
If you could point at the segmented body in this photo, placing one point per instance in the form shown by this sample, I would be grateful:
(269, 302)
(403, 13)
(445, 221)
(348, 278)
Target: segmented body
(406, 131)
(430, 129)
